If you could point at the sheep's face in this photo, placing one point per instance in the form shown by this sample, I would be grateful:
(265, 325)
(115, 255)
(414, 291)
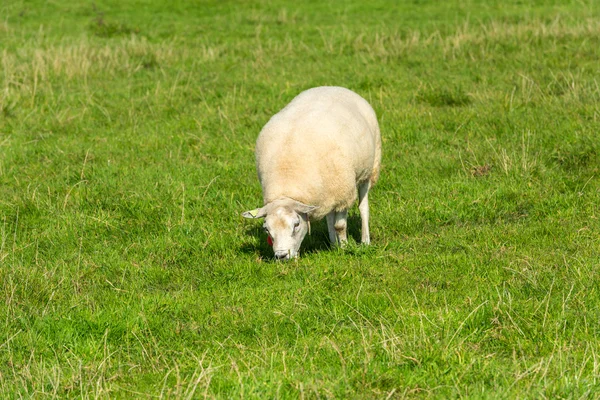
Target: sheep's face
(287, 229)
(286, 223)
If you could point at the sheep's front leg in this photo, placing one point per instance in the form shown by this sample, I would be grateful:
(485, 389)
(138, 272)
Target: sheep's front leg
(340, 225)
(331, 227)
(363, 207)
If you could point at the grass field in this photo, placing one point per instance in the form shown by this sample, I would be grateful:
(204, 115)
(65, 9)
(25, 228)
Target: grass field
(126, 157)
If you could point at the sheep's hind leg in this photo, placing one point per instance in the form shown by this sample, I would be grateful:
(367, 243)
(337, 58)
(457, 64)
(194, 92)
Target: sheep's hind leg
(340, 225)
(331, 227)
(363, 207)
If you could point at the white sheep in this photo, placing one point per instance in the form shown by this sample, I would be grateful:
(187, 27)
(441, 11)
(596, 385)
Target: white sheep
(311, 157)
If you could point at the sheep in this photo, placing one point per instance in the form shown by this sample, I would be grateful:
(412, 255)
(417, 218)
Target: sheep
(311, 157)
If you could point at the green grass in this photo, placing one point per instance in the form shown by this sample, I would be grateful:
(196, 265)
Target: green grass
(126, 157)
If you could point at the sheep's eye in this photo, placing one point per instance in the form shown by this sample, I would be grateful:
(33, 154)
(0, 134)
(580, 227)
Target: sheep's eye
(265, 228)
(296, 225)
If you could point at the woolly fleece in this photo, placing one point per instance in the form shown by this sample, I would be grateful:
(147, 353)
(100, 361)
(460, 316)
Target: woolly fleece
(318, 149)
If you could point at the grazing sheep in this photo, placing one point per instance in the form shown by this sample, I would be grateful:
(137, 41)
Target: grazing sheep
(311, 157)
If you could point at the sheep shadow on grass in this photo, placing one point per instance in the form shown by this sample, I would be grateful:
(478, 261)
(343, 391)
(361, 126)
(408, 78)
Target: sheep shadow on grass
(316, 242)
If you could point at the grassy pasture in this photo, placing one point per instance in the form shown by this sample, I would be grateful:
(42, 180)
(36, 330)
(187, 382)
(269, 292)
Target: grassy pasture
(126, 157)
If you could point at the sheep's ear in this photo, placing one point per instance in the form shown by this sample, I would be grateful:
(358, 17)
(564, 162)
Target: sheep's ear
(302, 208)
(256, 213)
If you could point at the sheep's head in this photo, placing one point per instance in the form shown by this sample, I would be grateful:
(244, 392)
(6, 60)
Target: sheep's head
(286, 224)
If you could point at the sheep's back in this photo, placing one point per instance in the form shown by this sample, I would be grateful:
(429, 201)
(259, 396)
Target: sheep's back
(317, 149)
